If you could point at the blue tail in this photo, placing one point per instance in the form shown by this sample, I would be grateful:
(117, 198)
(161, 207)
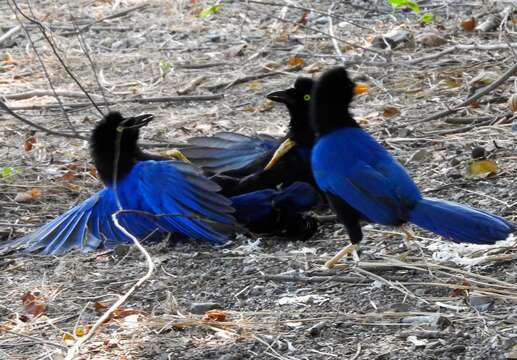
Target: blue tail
(460, 223)
(258, 205)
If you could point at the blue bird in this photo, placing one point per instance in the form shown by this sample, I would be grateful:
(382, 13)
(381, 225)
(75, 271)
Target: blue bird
(363, 181)
(139, 182)
(261, 162)
(278, 212)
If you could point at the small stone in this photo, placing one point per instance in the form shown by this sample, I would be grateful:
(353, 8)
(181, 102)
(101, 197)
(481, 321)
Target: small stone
(480, 303)
(201, 308)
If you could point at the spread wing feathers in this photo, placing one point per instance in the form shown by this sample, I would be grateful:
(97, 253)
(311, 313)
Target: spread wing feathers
(178, 188)
(156, 187)
(226, 151)
(367, 191)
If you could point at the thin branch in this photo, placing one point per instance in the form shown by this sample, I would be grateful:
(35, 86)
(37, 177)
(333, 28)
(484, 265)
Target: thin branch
(476, 96)
(161, 99)
(44, 68)
(39, 127)
(54, 50)
(84, 47)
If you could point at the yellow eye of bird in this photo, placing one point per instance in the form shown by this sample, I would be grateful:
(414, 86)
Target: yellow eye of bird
(306, 97)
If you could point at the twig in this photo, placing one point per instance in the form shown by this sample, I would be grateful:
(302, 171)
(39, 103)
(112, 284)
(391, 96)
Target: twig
(38, 340)
(84, 47)
(460, 47)
(43, 66)
(74, 349)
(51, 44)
(162, 99)
(13, 31)
(476, 96)
(39, 127)
(38, 93)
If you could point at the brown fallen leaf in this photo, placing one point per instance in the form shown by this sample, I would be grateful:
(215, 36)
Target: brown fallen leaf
(295, 61)
(9, 60)
(469, 24)
(28, 196)
(100, 307)
(68, 176)
(214, 315)
(29, 143)
(32, 304)
(390, 111)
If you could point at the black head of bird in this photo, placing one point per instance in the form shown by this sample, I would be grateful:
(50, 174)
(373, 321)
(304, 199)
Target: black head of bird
(105, 147)
(297, 100)
(332, 94)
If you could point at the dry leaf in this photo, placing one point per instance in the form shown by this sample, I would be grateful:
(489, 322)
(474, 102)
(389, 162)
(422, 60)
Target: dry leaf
(484, 78)
(32, 306)
(93, 172)
(28, 196)
(69, 176)
(8, 60)
(390, 111)
(265, 106)
(469, 24)
(255, 85)
(214, 315)
(449, 83)
(121, 313)
(248, 108)
(29, 143)
(430, 39)
(100, 307)
(512, 102)
(482, 167)
(295, 61)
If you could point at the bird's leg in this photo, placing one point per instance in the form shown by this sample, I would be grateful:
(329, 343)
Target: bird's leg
(408, 235)
(175, 154)
(347, 250)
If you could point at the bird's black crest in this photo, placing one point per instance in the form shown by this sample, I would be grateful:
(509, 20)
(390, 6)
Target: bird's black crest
(331, 96)
(103, 147)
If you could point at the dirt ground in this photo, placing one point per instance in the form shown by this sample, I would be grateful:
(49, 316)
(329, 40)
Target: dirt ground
(436, 300)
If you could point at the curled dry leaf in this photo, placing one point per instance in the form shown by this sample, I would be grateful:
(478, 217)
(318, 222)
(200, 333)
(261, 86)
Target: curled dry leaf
(29, 143)
(469, 24)
(512, 102)
(32, 305)
(68, 176)
(214, 315)
(28, 196)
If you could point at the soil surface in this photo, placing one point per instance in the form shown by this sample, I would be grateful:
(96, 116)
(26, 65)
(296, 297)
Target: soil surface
(431, 300)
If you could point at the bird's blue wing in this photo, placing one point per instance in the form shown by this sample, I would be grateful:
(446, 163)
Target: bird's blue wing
(226, 151)
(181, 190)
(350, 164)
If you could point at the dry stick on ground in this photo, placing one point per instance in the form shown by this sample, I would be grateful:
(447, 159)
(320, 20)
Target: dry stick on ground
(39, 127)
(150, 264)
(476, 96)
(460, 47)
(10, 33)
(161, 99)
(37, 93)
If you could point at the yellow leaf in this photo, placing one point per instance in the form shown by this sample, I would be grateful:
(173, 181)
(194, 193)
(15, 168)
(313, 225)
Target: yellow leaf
(449, 83)
(255, 85)
(295, 61)
(479, 167)
(80, 331)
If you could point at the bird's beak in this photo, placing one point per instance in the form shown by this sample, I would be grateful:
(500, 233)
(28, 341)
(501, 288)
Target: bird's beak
(139, 121)
(281, 96)
(360, 88)
(175, 154)
(280, 152)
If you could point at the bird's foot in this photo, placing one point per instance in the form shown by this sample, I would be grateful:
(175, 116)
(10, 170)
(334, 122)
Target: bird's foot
(347, 250)
(408, 236)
